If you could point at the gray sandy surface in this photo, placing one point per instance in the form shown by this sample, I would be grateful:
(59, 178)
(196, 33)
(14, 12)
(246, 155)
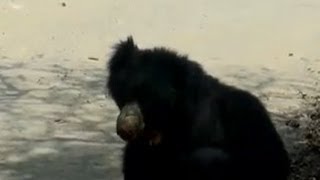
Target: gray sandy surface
(57, 124)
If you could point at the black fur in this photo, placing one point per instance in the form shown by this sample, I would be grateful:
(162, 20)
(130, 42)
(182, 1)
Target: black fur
(210, 130)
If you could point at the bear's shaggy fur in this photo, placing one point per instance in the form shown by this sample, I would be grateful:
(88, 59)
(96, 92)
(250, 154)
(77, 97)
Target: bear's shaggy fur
(209, 130)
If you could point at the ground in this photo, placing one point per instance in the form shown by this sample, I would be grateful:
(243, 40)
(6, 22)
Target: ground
(56, 123)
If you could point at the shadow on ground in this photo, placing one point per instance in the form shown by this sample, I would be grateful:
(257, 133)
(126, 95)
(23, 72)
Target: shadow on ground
(62, 159)
(56, 123)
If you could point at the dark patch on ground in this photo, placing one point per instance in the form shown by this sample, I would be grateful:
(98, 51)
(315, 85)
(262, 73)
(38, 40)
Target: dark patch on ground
(304, 147)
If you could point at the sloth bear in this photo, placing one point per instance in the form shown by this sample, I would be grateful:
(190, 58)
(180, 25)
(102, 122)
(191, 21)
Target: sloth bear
(181, 123)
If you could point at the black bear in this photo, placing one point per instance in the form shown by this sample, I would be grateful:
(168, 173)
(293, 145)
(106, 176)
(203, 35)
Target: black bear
(181, 123)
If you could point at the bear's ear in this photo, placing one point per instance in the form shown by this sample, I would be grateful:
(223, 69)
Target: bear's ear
(123, 53)
(127, 45)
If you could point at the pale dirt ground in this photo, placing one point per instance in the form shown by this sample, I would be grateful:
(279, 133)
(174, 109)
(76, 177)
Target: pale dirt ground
(55, 122)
